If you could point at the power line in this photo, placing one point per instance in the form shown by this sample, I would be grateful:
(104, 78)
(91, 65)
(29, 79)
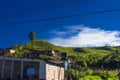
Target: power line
(38, 9)
(64, 17)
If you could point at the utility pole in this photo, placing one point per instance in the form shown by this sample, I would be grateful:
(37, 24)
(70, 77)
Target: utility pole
(64, 58)
(69, 75)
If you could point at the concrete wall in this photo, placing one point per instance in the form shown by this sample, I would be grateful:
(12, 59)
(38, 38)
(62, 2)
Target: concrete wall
(45, 71)
(54, 72)
(6, 70)
(16, 69)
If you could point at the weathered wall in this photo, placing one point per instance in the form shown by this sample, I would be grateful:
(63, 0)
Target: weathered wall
(44, 70)
(54, 72)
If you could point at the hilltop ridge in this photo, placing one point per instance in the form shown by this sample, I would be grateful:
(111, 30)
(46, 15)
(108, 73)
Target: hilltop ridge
(82, 55)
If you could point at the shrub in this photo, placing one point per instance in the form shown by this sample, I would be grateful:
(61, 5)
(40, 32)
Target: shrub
(113, 78)
(91, 78)
(89, 72)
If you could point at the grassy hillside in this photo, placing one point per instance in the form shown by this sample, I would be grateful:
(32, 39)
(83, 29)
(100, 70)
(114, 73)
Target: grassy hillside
(88, 60)
(92, 56)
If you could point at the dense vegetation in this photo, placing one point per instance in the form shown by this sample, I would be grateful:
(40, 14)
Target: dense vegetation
(93, 56)
(106, 57)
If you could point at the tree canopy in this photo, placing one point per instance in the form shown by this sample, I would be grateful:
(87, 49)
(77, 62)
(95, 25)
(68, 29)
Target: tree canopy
(32, 36)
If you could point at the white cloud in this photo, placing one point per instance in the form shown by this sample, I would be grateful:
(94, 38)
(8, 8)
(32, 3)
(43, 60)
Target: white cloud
(59, 33)
(87, 37)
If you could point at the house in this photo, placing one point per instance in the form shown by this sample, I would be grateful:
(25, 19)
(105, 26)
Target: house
(10, 50)
(6, 51)
(20, 68)
(36, 53)
(49, 53)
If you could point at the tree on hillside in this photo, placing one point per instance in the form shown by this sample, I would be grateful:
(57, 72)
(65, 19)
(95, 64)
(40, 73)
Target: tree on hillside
(32, 36)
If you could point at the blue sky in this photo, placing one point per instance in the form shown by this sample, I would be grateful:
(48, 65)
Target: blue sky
(90, 30)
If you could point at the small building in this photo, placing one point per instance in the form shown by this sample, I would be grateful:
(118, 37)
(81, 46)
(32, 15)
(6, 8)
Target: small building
(36, 53)
(10, 50)
(19, 69)
(4, 52)
(49, 53)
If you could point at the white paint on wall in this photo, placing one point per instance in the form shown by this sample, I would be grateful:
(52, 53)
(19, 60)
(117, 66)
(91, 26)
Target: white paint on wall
(54, 72)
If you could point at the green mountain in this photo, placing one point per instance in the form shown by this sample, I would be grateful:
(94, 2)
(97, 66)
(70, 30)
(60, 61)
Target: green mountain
(82, 55)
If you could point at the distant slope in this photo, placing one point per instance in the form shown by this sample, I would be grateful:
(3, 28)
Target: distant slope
(39, 45)
(90, 55)
(44, 45)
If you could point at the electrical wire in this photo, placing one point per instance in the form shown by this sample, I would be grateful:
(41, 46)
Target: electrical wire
(41, 8)
(63, 17)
